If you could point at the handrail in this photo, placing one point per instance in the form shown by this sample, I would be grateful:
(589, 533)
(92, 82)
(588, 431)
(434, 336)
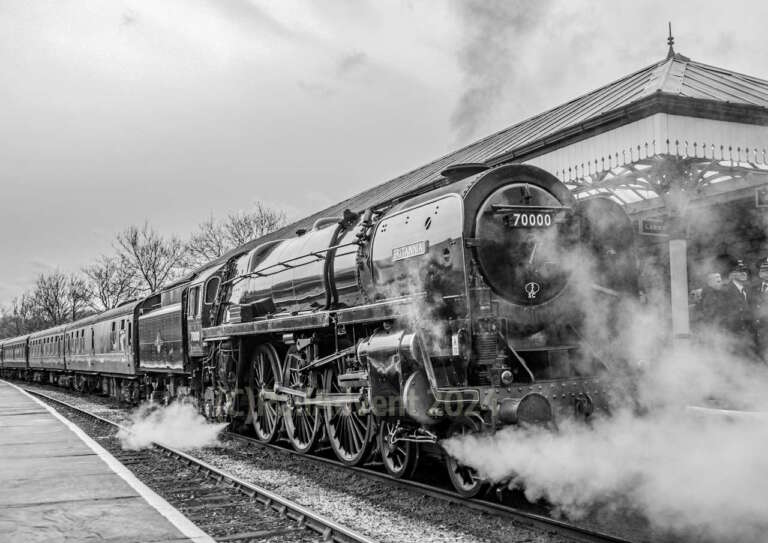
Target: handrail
(286, 264)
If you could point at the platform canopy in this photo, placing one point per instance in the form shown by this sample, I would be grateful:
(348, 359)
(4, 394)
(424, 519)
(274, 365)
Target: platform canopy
(611, 139)
(676, 121)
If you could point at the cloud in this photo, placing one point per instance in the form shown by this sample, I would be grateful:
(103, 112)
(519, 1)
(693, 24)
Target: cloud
(316, 89)
(40, 266)
(350, 63)
(252, 15)
(130, 17)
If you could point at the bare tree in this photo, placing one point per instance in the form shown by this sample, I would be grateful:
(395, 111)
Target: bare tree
(78, 295)
(246, 226)
(50, 296)
(110, 282)
(215, 238)
(208, 243)
(20, 317)
(152, 258)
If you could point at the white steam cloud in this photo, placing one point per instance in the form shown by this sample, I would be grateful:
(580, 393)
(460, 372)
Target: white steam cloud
(177, 425)
(692, 472)
(686, 444)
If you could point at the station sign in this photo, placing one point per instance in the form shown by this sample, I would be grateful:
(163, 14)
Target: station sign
(656, 226)
(761, 197)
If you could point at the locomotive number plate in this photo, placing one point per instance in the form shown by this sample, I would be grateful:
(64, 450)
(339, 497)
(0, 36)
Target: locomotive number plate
(407, 251)
(531, 219)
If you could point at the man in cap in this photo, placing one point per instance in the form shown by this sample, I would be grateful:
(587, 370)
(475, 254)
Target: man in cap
(711, 301)
(760, 307)
(736, 311)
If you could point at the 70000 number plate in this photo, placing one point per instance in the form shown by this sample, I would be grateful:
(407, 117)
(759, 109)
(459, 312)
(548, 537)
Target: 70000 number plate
(531, 219)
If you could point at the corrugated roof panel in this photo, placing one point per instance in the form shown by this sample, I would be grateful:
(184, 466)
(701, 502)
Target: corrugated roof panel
(723, 88)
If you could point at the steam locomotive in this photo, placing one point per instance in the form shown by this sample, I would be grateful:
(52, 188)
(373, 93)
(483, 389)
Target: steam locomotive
(455, 310)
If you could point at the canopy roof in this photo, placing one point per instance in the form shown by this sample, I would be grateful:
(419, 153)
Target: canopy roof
(675, 85)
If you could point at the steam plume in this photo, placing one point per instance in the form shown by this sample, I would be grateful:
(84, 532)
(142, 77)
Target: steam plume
(496, 30)
(177, 425)
(700, 473)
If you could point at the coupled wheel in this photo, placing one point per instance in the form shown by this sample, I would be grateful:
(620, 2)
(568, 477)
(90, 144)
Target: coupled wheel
(302, 423)
(464, 479)
(265, 412)
(399, 457)
(350, 433)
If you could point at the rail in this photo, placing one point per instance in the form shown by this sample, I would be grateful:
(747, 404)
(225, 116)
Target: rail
(327, 528)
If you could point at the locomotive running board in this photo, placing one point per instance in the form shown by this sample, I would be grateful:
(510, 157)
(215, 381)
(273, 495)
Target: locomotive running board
(389, 309)
(278, 324)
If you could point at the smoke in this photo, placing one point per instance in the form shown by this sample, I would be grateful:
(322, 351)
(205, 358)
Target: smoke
(672, 450)
(495, 33)
(685, 445)
(177, 425)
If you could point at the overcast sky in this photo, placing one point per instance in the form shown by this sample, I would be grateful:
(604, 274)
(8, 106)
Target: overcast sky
(115, 111)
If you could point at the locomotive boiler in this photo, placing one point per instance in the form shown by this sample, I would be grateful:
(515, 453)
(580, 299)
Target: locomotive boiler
(453, 310)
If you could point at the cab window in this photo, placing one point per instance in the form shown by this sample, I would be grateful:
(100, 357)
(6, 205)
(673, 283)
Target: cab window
(210, 290)
(194, 302)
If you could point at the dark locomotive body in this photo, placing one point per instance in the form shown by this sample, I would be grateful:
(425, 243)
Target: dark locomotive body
(455, 310)
(460, 309)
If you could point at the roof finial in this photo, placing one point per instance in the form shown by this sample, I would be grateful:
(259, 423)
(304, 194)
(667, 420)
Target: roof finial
(671, 42)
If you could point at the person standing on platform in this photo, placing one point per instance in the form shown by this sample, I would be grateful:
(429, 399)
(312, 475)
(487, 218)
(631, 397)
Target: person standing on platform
(711, 300)
(760, 305)
(736, 311)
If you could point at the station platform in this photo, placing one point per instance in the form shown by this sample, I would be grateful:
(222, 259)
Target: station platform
(58, 485)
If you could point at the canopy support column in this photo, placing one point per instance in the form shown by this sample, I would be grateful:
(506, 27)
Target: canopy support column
(678, 282)
(675, 180)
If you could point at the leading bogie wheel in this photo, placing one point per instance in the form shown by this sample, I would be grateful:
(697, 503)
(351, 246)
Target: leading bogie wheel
(264, 374)
(464, 479)
(399, 457)
(302, 423)
(350, 432)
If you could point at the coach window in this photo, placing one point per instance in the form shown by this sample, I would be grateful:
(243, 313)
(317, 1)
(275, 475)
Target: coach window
(122, 335)
(194, 302)
(130, 336)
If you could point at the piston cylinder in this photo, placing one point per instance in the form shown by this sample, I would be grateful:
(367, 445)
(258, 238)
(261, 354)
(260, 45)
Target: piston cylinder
(532, 408)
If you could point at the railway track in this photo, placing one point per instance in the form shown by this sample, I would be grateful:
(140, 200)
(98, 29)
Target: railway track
(535, 520)
(539, 521)
(226, 507)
